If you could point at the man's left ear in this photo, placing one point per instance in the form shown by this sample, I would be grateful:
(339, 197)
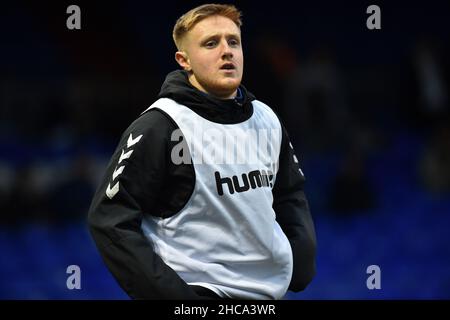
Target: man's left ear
(183, 60)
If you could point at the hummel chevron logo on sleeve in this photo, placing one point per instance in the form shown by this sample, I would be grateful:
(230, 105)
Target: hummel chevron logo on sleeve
(295, 158)
(117, 171)
(111, 192)
(124, 155)
(132, 141)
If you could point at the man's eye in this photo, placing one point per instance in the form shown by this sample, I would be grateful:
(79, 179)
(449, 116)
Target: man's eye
(233, 42)
(210, 44)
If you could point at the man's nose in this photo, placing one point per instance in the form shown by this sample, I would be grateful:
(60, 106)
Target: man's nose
(226, 50)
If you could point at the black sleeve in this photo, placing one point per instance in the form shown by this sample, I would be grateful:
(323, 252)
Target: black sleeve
(293, 215)
(115, 215)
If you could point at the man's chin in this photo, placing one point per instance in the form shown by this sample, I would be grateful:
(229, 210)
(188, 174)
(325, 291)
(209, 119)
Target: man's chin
(229, 84)
(224, 88)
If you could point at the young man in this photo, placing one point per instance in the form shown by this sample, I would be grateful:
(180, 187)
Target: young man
(203, 197)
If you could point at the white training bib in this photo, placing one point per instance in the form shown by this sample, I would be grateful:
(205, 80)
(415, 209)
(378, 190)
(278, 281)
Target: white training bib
(226, 237)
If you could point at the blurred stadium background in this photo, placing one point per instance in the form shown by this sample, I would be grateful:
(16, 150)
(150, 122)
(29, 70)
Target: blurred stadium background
(366, 110)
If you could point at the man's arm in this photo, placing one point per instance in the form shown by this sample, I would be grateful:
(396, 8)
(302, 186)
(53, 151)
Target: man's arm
(293, 215)
(129, 189)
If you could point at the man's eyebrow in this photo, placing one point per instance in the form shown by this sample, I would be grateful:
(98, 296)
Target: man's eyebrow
(215, 35)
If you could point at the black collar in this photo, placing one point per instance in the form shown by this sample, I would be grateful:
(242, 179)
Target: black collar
(225, 111)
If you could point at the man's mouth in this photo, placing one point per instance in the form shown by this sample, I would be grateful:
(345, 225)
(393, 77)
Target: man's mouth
(228, 66)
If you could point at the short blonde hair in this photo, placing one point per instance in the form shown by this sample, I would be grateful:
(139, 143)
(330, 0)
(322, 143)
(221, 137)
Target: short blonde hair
(188, 20)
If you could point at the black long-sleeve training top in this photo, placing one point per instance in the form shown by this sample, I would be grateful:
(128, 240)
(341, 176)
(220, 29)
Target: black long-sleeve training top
(204, 193)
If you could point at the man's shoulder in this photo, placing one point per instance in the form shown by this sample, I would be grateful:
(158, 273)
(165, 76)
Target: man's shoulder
(153, 121)
(266, 109)
(160, 104)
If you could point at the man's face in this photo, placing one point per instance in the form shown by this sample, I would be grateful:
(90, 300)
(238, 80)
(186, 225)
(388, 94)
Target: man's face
(213, 55)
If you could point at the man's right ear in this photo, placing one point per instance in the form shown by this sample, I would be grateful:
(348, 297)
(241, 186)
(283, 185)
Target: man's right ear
(183, 60)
